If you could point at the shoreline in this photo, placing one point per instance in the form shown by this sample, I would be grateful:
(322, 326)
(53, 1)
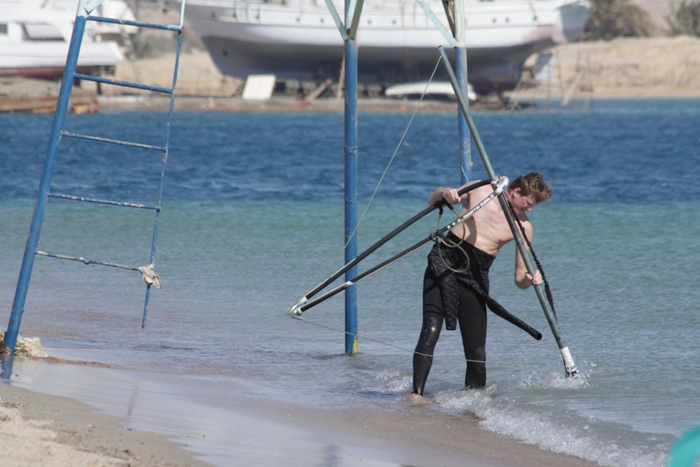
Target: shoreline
(365, 105)
(136, 103)
(253, 431)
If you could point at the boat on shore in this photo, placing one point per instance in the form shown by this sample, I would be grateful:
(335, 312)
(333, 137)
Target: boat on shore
(433, 89)
(35, 35)
(298, 39)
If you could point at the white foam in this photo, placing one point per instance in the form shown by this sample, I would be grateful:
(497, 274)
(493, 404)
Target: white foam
(396, 382)
(553, 381)
(588, 439)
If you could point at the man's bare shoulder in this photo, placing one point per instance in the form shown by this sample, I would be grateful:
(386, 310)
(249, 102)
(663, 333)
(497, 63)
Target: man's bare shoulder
(522, 217)
(479, 194)
(484, 190)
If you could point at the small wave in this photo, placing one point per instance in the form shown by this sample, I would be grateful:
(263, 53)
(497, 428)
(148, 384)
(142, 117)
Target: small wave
(397, 382)
(553, 381)
(607, 444)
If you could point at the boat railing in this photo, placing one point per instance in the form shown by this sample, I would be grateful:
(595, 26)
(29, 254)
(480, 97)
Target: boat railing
(397, 14)
(393, 5)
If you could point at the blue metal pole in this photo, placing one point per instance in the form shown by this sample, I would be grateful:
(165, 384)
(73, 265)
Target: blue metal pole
(460, 33)
(351, 192)
(465, 148)
(7, 366)
(164, 162)
(44, 186)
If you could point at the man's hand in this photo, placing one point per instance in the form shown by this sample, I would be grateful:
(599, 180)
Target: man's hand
(536, 279)
(451, 196)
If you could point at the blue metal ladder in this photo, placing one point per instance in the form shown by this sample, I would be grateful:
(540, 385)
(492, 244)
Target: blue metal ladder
(58, 132)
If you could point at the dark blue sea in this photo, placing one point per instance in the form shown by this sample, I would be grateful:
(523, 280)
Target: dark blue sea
(252, 220)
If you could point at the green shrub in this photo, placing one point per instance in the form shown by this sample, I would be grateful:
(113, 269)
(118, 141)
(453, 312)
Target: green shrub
(685, 19)
(609, 19)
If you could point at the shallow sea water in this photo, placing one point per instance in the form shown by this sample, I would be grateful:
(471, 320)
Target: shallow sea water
(253, 219)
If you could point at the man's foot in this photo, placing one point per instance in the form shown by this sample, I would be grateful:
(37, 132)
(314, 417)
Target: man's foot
(470, 387)
(415, 398)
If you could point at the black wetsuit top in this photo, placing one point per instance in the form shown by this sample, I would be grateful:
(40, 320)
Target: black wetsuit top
(476, 276)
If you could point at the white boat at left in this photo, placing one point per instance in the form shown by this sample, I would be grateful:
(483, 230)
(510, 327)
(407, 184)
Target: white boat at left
(35, 35)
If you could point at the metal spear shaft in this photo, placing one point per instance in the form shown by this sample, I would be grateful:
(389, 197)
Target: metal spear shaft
(569, 365)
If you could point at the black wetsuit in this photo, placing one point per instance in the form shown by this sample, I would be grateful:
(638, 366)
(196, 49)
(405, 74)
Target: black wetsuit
(455, 297)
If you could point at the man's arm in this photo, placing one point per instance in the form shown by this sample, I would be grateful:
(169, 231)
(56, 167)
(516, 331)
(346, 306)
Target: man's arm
(522, 278)
(450, 194)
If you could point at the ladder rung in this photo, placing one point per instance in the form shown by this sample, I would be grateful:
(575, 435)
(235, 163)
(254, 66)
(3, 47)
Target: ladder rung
(86, 261)
(167, 27)
(126, 84)
(102, 201)
(113, 141)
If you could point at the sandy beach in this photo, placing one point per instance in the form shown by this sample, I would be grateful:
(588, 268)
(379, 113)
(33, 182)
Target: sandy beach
(40, 429)
(632, 68)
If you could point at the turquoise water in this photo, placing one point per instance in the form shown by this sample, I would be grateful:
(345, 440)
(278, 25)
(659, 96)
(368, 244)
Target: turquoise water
(253, 219)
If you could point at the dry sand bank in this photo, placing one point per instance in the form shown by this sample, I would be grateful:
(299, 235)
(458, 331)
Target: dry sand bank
(36, 428)
(623, 68)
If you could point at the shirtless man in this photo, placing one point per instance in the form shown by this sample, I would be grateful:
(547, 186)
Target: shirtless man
(456, 289)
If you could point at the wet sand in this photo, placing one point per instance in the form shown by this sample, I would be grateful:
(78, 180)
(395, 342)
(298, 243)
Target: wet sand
(37, 427)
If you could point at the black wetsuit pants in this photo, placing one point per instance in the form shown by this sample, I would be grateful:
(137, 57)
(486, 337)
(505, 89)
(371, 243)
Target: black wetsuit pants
(472, 325)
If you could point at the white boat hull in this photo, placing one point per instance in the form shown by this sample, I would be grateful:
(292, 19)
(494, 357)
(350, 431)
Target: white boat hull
(35, 36)
(49, 59)
(395, 45)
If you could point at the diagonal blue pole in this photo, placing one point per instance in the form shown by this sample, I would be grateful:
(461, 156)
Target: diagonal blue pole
(164, 161)
(44, 186)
